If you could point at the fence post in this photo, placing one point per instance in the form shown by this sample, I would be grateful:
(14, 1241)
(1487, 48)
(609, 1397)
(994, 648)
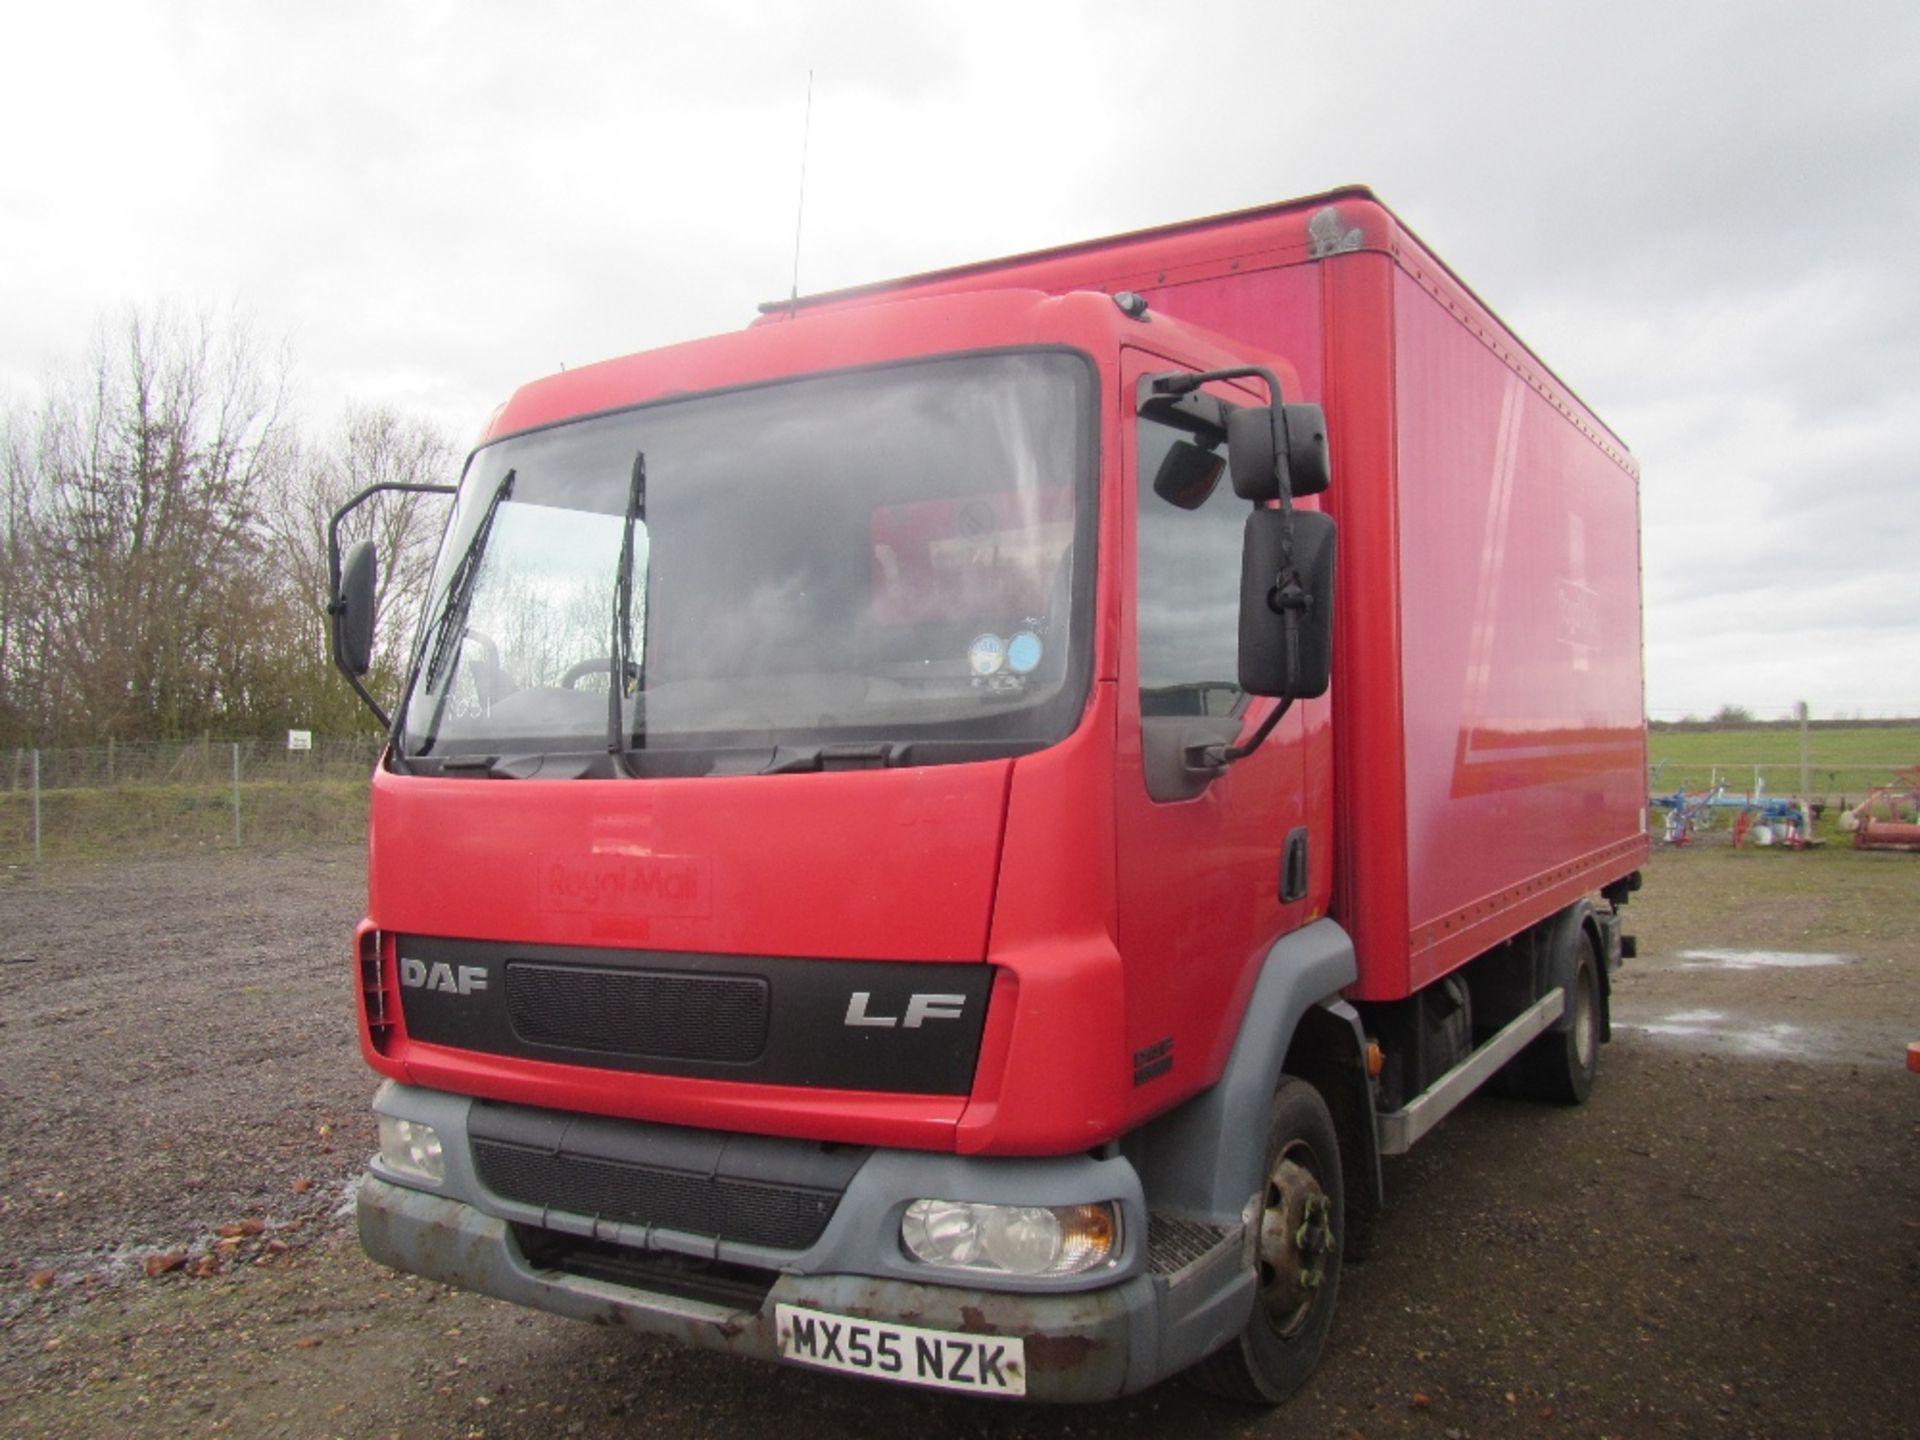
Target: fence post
(36, 806)
(236, 794)
(1806, 771)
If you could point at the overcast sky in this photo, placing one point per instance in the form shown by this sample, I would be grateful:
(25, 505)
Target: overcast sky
(1705, 217)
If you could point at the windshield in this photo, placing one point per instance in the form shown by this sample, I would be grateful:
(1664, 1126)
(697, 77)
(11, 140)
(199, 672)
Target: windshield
(883, 557)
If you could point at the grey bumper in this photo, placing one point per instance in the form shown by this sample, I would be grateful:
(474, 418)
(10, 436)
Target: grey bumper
(1079, 1347)
(1146, 1322)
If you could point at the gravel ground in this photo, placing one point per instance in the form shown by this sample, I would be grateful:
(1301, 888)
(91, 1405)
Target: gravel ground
(1724, 1242)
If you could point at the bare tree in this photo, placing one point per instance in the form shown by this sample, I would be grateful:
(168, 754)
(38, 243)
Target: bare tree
(20, 613)
(163, 567)
(146, 479)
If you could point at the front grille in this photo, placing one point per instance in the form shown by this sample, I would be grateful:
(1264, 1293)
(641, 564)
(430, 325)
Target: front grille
(747, 1019)
(780, 1216)
(754, 1189)
(642, 1013)
(712, 1282)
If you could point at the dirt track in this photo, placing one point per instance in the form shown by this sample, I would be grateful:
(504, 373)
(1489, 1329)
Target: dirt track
(1725, 1241)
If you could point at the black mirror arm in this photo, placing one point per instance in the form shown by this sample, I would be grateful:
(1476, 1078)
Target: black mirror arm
(1218, 757)
(333, 526)
(379, 710)
(337, 606)
(1185, 383)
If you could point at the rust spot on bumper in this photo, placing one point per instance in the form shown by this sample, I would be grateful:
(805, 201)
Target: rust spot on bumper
(1060, 1352)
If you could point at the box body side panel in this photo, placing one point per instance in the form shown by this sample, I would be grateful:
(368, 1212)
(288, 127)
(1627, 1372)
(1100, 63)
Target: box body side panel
(1519, 615)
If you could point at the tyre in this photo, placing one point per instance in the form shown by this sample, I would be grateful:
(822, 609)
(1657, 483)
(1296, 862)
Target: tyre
(1297, 1259)
(1561, 1064)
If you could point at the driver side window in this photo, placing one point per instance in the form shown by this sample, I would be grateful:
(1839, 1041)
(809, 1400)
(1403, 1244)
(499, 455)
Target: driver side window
(1188, 588)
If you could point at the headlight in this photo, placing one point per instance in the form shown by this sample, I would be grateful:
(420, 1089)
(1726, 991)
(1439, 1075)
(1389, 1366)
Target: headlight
(412, 1149)
(1035, 1240)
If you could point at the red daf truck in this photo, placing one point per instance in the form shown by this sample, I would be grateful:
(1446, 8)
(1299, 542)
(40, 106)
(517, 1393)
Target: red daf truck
(895, 856)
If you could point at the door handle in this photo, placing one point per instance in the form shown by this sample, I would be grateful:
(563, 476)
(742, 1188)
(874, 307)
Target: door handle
(1293, 867)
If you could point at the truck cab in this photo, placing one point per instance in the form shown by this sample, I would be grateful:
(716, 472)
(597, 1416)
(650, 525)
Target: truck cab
(874, 847)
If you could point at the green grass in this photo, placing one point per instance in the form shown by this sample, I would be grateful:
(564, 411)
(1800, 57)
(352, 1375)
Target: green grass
(1845, 761)
(107, 822)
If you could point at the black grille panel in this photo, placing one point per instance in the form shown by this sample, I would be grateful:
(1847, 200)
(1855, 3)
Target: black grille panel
(754, 1189)
(736, 1287)
(750, 1019)
(755, 1213)
(641, 1013)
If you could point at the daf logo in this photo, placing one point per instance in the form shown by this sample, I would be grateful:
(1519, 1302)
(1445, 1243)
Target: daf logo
(920, 1009)
(419, 975)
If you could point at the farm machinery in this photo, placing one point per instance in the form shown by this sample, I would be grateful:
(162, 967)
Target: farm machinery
(1759, 819)
(1889, 818)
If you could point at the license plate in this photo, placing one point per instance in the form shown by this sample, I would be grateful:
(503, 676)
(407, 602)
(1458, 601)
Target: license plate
(943, 1359)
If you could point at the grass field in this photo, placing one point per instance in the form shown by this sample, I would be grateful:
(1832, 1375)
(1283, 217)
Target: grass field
(1845, 761)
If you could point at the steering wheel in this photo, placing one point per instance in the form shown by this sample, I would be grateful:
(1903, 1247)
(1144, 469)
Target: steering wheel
(490, 682)
(596, 665)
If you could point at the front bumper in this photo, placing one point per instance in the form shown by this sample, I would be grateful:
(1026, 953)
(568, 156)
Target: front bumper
(1078, 1347)
(1148, 1319)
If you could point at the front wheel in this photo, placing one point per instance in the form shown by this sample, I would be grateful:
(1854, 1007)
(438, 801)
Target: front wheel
(1302, 1222)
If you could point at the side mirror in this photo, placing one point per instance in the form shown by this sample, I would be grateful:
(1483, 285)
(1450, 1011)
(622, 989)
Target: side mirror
(1188, 475)
(352, 611)
(1286, 612)
(1272, 446)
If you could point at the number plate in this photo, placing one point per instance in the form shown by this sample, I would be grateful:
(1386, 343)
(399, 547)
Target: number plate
(943, 1359)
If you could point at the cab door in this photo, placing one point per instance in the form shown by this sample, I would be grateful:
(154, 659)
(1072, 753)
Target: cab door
(1203, 862)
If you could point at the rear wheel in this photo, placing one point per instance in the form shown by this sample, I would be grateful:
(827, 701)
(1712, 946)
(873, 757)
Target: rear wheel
(1297, 1258)
(1561, 1064)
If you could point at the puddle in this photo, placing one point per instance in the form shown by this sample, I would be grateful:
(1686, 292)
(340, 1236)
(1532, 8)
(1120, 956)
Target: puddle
(1761, 959)
(1712, 1030)
(1720, 1032)
(1686, 1022)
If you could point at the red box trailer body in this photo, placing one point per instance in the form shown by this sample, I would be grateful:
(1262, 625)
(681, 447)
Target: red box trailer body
(890, 967)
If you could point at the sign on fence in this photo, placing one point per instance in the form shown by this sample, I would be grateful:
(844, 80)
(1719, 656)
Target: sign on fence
(299, 739)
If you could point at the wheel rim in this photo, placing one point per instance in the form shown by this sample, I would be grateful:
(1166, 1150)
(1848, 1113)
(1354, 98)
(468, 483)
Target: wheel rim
(1296, 1237)
(1586, 1028)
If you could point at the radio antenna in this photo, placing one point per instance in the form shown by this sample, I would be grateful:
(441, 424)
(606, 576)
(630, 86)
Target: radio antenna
(800, 209)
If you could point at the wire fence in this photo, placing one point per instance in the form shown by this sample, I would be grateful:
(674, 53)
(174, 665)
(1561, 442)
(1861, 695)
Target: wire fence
(1829, 785)
(132, 799)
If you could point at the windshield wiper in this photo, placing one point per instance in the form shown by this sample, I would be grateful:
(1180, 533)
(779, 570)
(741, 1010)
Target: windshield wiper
(453, 616)
(623, 606)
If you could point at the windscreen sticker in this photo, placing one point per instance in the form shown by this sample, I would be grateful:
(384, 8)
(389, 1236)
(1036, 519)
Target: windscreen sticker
(986, 655)
(1023, 653)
